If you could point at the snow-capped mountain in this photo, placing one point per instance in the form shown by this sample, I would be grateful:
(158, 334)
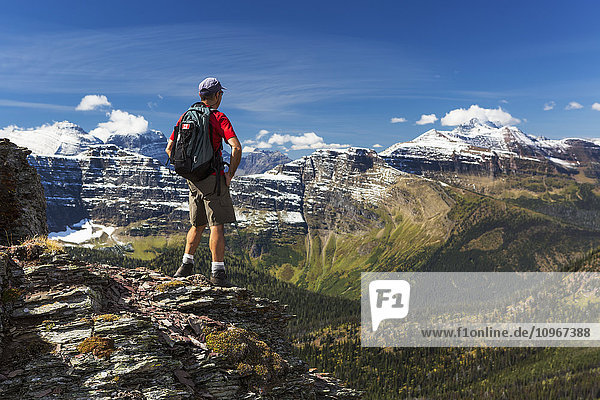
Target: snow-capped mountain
(60, 138)
(487, 147)
(68, 139)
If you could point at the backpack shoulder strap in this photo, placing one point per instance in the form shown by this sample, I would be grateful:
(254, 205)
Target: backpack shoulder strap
(201, 107)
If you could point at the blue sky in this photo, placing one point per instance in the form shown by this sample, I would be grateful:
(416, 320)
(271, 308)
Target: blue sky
(306, 73)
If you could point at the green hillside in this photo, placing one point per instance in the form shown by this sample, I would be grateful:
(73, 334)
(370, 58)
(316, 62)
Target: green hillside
(429, 227)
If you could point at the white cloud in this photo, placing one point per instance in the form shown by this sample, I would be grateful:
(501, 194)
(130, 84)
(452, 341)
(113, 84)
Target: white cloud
(549, 106)
(496, 115)
(377, 145)
(396, 120)
(504, 101)
(262, 145)
(309, 140)
(92, 101)
(120, 122)
(427, 119)
(573, 106)
(596, 106)
(262, 133)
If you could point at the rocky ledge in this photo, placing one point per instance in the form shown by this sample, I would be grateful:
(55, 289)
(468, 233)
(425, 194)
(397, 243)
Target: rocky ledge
(69, 329)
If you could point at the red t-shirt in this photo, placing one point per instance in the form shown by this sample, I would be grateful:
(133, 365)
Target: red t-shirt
(220, 128)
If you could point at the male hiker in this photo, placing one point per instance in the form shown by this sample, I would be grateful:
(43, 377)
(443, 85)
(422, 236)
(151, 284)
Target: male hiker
(209, 200)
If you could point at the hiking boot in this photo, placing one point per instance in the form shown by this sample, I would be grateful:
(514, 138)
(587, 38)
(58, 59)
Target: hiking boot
(184, 270)
(219, 278)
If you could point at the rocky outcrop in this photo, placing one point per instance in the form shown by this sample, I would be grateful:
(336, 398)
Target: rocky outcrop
(22, 203)
(80, 331)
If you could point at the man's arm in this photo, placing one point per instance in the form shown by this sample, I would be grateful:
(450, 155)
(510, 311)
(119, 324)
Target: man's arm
(236, 157)
(169, 148)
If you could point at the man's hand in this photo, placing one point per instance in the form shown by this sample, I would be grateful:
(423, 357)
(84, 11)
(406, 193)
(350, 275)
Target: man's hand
(236, 156)
(227, 178)
(169, 148)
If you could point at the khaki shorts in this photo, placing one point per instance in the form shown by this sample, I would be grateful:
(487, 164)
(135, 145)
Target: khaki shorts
(208, 208)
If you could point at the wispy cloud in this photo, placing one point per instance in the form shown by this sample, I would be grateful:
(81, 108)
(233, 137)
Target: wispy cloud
(549, 105)
(28, 104)
(573, 105)
(496, 115)
(397, 120)
(427, 119)
(92, 102)
(277, 68)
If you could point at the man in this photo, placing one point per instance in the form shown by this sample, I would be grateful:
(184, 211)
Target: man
(206, 206)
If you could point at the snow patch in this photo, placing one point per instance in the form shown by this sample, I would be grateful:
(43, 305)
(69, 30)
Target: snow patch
(292, 217)
(81, 232)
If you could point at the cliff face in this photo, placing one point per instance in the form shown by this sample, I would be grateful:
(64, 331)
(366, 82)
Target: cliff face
(116, 186)
(22, 203)
(108, 184)
(79, 331)
(327, 190)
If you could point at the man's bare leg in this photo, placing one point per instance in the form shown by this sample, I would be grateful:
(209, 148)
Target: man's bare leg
(217, 248)
(217, 243)
(192, 241)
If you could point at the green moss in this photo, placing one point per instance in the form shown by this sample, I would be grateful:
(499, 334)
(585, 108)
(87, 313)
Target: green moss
(98, 346)
(251, 355)
(107, 317)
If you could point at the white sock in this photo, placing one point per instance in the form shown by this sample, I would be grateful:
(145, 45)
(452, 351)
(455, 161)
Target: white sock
(217, 265)
(188, 258)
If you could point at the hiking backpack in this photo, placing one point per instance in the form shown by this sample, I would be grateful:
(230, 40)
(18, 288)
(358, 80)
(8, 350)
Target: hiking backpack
(193, 156)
